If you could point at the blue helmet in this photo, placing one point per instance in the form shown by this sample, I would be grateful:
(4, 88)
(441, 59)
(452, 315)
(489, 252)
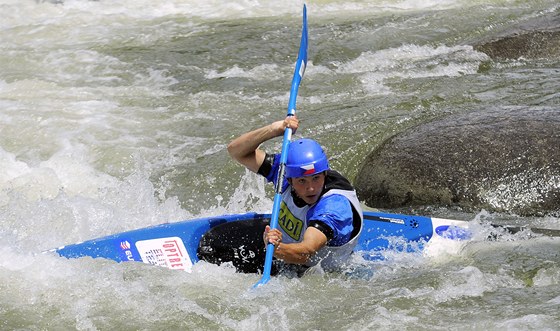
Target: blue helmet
(305, 158)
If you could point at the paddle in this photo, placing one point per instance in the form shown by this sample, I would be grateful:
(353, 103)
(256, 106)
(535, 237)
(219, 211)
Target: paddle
(298, 74)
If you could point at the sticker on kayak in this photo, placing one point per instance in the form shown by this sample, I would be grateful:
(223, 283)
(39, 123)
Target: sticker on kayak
(453, 232)
(165, 252)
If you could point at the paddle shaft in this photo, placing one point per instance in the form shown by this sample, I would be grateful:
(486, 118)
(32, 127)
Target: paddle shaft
(298, 75)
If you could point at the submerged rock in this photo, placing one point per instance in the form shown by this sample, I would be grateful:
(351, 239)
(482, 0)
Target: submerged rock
(505, 160)
(536, 44)
(537, 38)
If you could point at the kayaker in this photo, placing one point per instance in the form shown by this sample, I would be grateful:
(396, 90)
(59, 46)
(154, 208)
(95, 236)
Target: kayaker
(320, 216)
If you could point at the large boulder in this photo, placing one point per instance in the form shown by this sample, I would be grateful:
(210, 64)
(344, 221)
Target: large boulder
(505, 160)
(536, 38)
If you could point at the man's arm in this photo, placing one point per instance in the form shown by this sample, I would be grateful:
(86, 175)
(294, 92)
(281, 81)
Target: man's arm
(299, 253)
(245, 148)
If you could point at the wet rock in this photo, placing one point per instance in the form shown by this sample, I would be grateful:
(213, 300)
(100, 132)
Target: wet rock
(537, 38)
(538, 44)
(505, 160)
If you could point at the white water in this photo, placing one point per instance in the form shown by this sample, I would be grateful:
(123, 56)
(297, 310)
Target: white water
(115, 115)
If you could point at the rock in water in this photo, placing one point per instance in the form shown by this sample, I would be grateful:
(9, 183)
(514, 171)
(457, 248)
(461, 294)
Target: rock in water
(505, 160)
(535, 38)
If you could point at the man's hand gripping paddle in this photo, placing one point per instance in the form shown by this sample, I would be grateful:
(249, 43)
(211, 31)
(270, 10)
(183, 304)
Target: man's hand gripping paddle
(301, 63)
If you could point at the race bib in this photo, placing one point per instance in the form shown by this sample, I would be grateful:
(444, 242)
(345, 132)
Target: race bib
(289, 223)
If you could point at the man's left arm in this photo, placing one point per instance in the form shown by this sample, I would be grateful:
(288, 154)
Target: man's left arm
(300, 253)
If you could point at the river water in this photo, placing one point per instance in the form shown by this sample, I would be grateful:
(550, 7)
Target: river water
(115, 115)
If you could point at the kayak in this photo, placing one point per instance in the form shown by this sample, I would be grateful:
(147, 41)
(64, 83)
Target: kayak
(237, 238)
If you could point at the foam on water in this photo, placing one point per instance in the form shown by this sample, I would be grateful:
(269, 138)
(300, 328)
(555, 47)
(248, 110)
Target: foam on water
(53, 10)
(412, 61)
(66, 198)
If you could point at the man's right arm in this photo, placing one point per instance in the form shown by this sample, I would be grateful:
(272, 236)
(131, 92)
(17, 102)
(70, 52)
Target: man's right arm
(245, 148)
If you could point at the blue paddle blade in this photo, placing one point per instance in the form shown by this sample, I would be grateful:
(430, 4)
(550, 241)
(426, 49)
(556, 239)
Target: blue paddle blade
(301, 63)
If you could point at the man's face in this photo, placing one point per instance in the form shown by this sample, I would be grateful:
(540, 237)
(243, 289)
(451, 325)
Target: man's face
(309, 188)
